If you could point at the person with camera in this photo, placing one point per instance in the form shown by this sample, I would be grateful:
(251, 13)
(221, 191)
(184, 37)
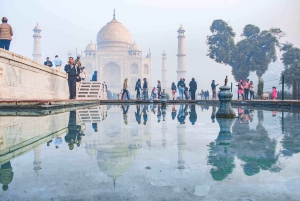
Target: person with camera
(73, 71)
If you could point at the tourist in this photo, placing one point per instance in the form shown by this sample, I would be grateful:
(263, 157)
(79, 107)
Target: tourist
(95, 127)
(181, 87)
(274, 93)
(125, 116)
(181, 115)
(48, 62)
(83, 73)
(174, 111)
(153, 93)
(193, 114)
(158, 89)
(78, 62)
(274, 113)
(213, 114)
(173, 88)
(246, 89)
(186, 89)
(6, 175)
(138, 87)
(145, 89)
(57, 142)
(125, 87)
(213, 88)
(57, 62)
(138, 114)
(70, 137)
(73, 72)
(95, 76)
(193, 88)
(6, 33)
(202, 94)
(240, 89)
(145, 115)
(251, 90)
(159, 113)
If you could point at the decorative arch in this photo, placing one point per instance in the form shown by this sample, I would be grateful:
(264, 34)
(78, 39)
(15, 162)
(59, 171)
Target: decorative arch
(146, 69)
(134, 69)
(112, 74)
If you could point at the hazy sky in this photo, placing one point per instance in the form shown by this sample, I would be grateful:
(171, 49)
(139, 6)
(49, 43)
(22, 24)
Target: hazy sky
(67, 24)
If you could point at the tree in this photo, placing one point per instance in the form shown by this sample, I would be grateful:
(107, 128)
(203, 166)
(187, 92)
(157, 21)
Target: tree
(291, 61)
(260, 87)
(295, 90)
(253, 53)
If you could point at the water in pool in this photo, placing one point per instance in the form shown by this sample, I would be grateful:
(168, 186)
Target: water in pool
(147, 152)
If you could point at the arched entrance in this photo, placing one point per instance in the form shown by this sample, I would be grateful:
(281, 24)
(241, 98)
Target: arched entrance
(112, 76)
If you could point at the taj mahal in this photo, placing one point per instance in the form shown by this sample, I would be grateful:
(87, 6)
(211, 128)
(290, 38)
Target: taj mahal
(116, 57)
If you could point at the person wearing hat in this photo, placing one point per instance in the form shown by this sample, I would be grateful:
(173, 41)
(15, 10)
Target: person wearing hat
(48, 62)
(57, 62)
(6, 33)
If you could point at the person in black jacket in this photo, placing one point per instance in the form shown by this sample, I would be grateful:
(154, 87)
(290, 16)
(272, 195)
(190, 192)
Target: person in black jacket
(48, 62)
(193, 88)
(73, 72)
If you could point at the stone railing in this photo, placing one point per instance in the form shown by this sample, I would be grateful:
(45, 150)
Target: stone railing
(24, 79)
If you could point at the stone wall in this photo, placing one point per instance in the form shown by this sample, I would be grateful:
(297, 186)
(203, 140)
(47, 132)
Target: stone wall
(23, 78)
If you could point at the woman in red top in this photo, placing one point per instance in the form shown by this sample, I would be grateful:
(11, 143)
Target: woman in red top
(240, 89)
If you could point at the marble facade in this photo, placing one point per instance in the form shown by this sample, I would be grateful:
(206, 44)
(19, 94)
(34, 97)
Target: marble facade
(23, 78)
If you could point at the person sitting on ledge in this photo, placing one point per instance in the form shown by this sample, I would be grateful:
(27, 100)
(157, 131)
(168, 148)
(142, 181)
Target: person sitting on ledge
(95, 76)
(48, 62)
(6, 33)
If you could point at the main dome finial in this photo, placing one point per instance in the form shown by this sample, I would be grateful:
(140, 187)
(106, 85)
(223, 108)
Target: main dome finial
(114, 14)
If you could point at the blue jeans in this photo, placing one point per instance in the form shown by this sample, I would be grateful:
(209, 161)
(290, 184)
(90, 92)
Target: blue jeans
(4, 44)
(181, 90)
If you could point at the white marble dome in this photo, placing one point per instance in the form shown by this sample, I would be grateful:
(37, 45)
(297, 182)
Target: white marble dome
(90, 47)
(134, 48)
(113, 34)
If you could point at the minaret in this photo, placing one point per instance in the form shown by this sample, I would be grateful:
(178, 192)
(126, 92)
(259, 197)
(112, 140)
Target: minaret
(37, 160)
(181, 71)
(69, 54)
(37, 44)
(164, 81)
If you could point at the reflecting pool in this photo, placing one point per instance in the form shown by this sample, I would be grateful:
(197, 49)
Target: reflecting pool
(149, 152)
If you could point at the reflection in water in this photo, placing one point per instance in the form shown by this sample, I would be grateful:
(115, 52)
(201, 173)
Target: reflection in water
(213, 114)
(117, 147)
(6, 175)
(291, 138)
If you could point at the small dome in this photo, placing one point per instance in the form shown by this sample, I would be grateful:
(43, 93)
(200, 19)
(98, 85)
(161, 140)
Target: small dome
(90, 47)
(134, 48)
(181, 28)
(37, 28)
(113, 34)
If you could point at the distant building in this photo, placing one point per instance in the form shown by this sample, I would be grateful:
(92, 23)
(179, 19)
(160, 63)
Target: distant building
(115, 58)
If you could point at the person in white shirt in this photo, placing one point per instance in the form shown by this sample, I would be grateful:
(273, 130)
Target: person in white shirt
(57, 142)
(83, 73)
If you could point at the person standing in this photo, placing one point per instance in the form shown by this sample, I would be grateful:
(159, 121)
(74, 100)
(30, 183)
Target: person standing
(173, 88)
(138, 87)
(125, 87)
(145, 88)
(73, 72)
(57, 62)
(158, 89)
(213, 88)
(246, 89)
(186, 90)
(78, 62)
(274, 93)
(240, 89)
(181, 87)
(6, 34)
(83, 73)
(48, 62)
(193, 88)
(251, 90)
